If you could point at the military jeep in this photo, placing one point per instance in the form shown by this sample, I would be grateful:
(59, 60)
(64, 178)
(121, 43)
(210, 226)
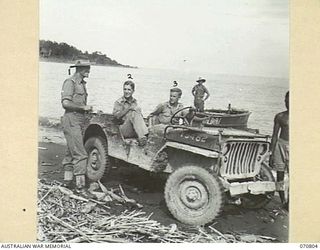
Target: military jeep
(206, 166)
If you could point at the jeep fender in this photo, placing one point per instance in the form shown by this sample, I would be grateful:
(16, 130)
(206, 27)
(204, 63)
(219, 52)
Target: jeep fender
(167, 165)
(94, 129)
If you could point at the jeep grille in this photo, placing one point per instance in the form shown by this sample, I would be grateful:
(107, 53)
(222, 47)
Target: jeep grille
(242, 159)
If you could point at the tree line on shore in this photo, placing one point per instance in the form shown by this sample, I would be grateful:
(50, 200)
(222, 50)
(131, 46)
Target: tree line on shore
(63, 52)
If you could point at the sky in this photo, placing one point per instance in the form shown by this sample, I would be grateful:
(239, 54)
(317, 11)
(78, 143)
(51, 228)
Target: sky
(239, 37)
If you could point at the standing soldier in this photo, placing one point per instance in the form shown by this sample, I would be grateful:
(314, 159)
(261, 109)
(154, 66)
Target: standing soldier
(74, 101)
(280, 146)
(200, 94)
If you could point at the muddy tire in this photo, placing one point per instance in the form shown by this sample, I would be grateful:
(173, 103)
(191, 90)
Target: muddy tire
(193, 195)
(98, 164)
(251, 201)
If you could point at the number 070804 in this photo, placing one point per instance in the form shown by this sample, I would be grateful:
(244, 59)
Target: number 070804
(308, 245)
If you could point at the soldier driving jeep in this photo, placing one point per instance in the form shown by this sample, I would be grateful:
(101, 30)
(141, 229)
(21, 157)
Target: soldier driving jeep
(164, 111)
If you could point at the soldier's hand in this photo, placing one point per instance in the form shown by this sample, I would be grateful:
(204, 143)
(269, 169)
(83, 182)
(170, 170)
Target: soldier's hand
(271, 161)
(132, 108)
(87, 108)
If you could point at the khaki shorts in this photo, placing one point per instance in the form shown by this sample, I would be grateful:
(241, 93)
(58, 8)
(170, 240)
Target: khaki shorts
(199, 104)
(281, 155)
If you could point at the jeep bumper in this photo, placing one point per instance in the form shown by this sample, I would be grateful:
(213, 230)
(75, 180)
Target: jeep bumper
(260, 187)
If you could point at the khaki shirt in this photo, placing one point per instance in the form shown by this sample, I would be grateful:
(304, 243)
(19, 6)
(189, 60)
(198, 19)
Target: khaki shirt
(121, 104)
(74, 89)
(199, 91)
(165, 111)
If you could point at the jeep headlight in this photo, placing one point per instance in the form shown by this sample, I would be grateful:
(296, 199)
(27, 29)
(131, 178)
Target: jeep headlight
(263, 149)
(226, 149)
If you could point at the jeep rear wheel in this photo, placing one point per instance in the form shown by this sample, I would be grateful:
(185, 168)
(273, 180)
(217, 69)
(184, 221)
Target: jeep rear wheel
(98, 160)
(193, 195)
(251, 201)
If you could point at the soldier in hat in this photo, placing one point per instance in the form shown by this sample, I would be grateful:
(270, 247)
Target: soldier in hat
(200, 94)
(74, 101)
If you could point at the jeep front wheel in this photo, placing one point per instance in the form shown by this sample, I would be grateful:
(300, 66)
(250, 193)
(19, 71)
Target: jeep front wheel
(193, 195)
(98, 160)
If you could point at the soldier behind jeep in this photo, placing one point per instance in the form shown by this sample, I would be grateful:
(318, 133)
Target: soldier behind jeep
(280, 146)
(200, 93)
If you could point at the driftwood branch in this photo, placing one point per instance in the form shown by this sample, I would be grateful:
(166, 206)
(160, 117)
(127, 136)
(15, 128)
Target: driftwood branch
(66, 217)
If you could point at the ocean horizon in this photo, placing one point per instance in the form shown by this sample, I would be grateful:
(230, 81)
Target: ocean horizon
(263, 96)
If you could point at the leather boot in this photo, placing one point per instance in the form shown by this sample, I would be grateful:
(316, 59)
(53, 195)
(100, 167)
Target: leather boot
(67, 179)
(142, 141)
(81, 189)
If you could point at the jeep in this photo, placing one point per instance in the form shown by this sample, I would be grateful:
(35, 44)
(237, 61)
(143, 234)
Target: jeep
(206, 166)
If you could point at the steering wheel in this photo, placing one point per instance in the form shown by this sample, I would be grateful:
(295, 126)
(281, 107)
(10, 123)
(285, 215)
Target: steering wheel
(186, 118)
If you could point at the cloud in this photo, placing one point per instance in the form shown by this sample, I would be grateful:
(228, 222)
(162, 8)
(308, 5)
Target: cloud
(221, 36)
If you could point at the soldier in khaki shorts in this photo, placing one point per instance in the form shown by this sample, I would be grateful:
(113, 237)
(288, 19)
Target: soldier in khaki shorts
(280, 146)
(201, 94)
(74, 101)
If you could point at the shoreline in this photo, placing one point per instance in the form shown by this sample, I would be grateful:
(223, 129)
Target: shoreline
(51, 135)
(58, 60)
(54, 124)
(271, 221)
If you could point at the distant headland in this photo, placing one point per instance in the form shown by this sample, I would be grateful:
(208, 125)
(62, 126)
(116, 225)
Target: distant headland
(62, 52)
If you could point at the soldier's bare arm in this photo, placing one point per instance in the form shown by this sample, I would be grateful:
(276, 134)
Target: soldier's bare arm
(206, 92)
(157, 111)
(193, 91)
(284, 125)
(71, 106)
(275, 133)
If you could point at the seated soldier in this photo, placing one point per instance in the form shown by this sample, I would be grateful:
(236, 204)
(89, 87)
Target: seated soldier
(166, 110)
(126, 110)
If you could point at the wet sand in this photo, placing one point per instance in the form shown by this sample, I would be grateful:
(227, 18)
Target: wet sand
(147, 189)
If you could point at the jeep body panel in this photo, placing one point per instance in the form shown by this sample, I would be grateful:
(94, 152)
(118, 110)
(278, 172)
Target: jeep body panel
(192, 149)
(207, 137)
(127, 150)
(174, 150)
(230, 153)
(192, 136)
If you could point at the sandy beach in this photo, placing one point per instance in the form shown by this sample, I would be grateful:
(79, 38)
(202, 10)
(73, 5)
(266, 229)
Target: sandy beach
(147, 189)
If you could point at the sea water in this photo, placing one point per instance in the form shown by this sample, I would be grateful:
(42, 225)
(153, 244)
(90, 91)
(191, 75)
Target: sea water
(263, 96)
